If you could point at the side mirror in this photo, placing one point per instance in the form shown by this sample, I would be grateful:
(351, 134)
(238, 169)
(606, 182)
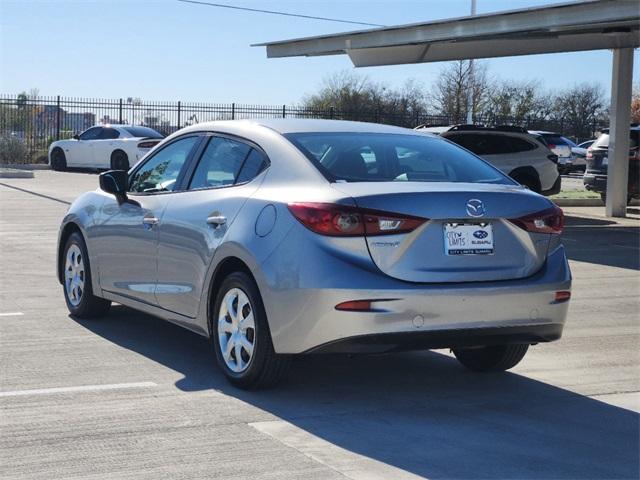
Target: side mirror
(116, 183)
(76, 137)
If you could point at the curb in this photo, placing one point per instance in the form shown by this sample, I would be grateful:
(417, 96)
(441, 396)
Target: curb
(27, 166)
(578, 202)
(11, 173)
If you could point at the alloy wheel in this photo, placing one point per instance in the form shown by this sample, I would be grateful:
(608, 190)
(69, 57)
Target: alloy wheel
(74, 275)
(236, 330)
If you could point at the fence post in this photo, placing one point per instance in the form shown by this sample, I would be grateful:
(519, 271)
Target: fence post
(561, 125)
(120, 113)
(58, 118)
(284, 111)
(233, 111)
(331, 112)
(179, 111)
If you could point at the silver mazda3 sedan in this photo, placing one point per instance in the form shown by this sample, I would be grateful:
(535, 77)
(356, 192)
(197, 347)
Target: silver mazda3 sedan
(282, 237)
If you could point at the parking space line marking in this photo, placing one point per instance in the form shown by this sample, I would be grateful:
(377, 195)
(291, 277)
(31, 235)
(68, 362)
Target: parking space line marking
(41, 195)
(80, 388)
(11, 314)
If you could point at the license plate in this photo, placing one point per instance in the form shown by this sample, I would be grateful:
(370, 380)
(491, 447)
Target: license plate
(605, 161)
(468, 238)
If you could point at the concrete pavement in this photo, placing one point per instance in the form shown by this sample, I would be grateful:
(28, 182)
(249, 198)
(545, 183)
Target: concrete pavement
(130, 396)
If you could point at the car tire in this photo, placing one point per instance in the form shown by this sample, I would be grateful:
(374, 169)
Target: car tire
(76, 275)
(232, 331)
(58, 160)
(119, 160)
(495, 358)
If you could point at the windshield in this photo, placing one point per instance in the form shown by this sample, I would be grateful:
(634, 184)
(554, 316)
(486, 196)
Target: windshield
(143, 132)
(376, 157)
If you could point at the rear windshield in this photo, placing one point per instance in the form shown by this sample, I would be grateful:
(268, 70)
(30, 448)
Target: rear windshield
(603, 140)
(554, 139)
(376, 157)
(143, 132)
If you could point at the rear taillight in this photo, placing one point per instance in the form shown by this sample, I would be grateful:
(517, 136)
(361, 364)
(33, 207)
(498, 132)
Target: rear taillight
(634, 154)
(147, 144)
(562, 296)
(551, 146)
(550, 220)
(344, 221)
(589, 154)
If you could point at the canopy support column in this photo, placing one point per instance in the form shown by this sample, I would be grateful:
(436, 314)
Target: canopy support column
(619, 121)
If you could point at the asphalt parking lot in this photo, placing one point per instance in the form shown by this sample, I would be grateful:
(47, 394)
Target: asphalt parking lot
(130, 396)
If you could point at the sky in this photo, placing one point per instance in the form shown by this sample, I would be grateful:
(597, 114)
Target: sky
(168, 50)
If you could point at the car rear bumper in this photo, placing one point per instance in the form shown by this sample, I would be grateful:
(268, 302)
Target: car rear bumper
(594, 182)
(454, 338)
(408, 315)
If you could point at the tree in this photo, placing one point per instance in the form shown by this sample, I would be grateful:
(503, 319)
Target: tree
(347, 92)
(355, 97)
(516, 102)
(635, 104)
(449, 94)
(580, 108)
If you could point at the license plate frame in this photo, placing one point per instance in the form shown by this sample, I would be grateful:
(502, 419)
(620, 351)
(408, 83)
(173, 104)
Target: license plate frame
(463, 238)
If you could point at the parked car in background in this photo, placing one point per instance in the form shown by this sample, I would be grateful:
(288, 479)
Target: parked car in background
(520, 155)
(595, 177)
(580, 156)
(104, 146)
(559, 145)
(277, 237)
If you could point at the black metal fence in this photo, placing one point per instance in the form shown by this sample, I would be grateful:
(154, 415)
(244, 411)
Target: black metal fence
(36, 122)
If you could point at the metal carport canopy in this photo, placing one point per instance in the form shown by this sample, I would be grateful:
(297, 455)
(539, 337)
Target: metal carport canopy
(566, 27)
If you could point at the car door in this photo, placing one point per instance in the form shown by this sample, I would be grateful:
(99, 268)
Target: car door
(103, 147)
(196, 221)
(81, 154)
(126, 240)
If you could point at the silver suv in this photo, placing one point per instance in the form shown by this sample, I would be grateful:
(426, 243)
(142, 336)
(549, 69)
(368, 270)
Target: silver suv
(511, 149)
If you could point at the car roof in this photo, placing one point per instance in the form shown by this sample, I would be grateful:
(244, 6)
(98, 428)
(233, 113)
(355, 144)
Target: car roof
(300, 125)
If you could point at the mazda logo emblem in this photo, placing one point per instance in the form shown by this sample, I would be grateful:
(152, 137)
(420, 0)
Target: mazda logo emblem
(475, 208)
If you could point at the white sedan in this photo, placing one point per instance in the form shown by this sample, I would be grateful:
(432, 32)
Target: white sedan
(116, 147)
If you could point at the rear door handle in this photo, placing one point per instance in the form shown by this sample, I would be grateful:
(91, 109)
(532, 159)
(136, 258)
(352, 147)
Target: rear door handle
(216, 220)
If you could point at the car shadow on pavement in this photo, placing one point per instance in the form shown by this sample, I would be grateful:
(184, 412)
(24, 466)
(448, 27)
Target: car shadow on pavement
(602, 241)
(420, 412)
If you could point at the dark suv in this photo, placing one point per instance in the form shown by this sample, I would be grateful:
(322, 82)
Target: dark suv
(595, 177)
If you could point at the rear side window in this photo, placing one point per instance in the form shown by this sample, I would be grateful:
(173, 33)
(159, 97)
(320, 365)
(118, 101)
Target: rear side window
(253, 165)
(108, 134)
(376, 157)
(143, 132)
(517, 144)
(485, 144)
(220, 163)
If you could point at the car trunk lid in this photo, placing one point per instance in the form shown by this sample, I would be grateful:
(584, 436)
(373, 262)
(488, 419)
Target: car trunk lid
(427, 254)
